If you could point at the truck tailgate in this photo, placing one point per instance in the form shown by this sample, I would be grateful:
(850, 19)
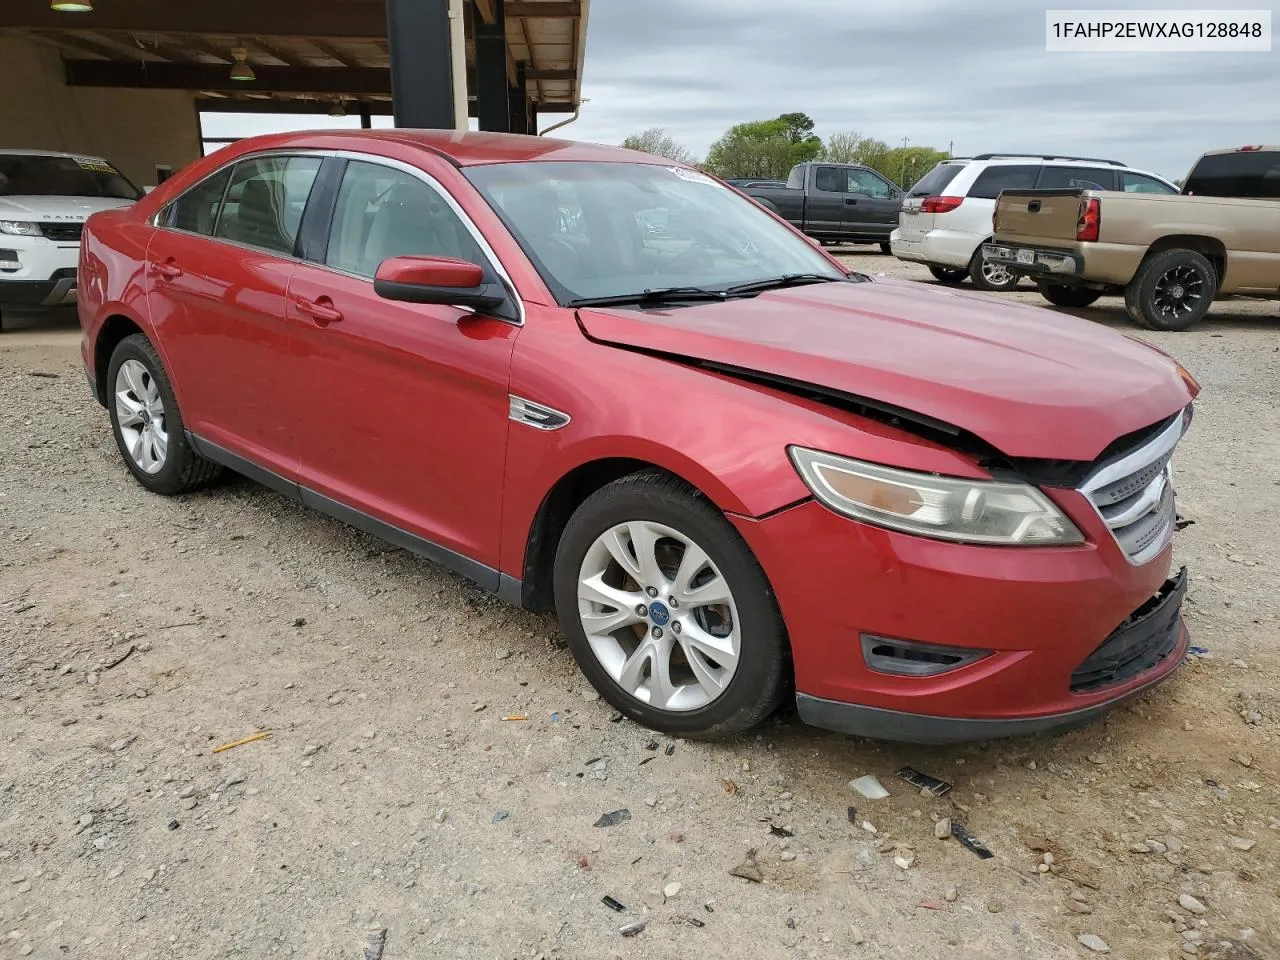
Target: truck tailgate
(1048, 217)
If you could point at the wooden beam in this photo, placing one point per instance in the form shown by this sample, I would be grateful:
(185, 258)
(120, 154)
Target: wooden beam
(379, 108)
(485, 9)
(330, 19)
(549, 74)
(203, 76)
(548, 9)
(333, 53)
(205, 47)
(64, 43)
(162, 48)
(531, 71)
(274, 50)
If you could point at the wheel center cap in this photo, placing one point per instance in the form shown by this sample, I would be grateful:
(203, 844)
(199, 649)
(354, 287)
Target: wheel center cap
(1176, 292)
(659, 614)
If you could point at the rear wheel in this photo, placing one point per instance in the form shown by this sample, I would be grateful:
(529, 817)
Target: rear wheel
(1172, 291)
(147, 423)
(990, 276)
(667, 611)
(1062, 295)
(948, 274)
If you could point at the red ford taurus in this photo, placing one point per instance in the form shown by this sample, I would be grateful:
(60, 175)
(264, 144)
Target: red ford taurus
(600, 383)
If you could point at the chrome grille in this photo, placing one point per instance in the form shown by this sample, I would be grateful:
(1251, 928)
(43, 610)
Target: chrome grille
(1133, 493)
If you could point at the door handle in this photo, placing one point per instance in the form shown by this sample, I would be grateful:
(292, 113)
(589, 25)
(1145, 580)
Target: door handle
(321, 310)
(169, 269)
(850, 202)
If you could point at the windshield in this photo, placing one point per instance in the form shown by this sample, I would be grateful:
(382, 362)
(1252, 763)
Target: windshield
(614, 229)
(38, 176)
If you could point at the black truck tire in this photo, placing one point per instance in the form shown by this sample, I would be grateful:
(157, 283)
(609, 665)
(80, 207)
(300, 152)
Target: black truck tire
(1172, 291)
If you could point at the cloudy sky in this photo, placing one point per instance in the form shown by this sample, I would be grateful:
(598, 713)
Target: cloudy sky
(970, 72)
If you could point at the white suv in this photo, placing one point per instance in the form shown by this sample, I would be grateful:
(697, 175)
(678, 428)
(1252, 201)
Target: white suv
(946, 216)
(45, 199)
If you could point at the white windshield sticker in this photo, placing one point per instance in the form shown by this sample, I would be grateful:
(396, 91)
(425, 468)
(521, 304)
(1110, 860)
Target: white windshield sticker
(693, 176)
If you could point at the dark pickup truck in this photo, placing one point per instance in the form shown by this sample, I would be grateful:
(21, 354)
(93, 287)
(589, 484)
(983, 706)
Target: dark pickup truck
(835, 202)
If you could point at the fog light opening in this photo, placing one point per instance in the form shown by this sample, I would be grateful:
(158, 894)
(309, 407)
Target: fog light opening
(905, 658)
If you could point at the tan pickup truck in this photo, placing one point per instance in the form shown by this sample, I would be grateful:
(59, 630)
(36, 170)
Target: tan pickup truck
(1171, 256)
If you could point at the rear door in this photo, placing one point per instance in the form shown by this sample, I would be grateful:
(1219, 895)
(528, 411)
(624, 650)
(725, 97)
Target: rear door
(217, 272)
(974, 215)
(824, 201)
(871, 203)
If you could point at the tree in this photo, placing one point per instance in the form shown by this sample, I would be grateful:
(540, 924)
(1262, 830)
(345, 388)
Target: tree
(656, 141)
(906, 165)
(764, 148)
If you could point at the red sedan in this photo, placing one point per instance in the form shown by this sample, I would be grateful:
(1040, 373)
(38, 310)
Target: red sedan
(600, 383)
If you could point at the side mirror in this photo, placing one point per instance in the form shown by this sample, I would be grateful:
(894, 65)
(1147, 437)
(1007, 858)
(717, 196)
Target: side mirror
(439, 280)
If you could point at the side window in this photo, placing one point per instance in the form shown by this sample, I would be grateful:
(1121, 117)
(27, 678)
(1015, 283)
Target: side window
(1139, 183)
(383, 212)
(196, 211)
(1077, 178)
(866, 182)
(265, 201)
(828, 180)
(993, 180)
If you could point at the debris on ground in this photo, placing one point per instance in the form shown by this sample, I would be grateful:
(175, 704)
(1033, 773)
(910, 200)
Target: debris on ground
(778, 831)
(375, 944)
(612, 904)
(253, 738)
(500, 816)
(631, 929)
(730, 787)
(515, 716)
(1187, 902)
(942, 828)
(870, 787)
(671, 889)
(853, 814)
(748, 869)
(1091, 941)
(613, 819)
(693, 921)
(939, 788)
(970, 842)
(122, 658)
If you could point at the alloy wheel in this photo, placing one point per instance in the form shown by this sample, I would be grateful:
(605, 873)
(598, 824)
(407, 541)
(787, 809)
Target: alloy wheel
(659, 616)
(140, 414)
(995, 274)
(1178, 292)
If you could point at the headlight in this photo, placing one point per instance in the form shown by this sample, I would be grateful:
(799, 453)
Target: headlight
(20, 228)
(947, 508)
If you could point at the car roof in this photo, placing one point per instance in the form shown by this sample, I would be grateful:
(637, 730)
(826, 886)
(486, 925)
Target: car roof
(14, 152)
(1060, 161)
(460, 148)
(1261, 148)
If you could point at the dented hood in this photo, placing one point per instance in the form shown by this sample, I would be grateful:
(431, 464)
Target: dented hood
(1029, 381)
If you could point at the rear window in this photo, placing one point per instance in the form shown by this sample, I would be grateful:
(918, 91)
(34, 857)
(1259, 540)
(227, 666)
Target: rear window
(936, 180)
(995, 179)
(1250, 175)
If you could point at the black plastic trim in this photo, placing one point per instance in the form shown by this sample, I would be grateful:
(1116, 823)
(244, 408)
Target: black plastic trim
(507, 588)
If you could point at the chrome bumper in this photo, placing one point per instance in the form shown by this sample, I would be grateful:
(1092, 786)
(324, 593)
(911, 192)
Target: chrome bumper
(1042, 261)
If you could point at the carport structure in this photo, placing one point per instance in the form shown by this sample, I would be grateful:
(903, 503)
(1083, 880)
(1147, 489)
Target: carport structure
(428, 63)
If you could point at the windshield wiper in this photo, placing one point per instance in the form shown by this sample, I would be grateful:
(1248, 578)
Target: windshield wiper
(776, 283)
(655, 295)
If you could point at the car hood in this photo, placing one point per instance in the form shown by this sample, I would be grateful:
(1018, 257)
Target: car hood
(69, 209)
(1029, 381)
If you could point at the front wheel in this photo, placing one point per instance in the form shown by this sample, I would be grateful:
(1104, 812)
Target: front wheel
(147, 423)
(886, 248)
(990, 276)
(1062, 295)
(667, 611)
(1172, 291)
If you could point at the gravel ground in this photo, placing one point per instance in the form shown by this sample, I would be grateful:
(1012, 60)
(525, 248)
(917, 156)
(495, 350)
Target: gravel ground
(394, 793)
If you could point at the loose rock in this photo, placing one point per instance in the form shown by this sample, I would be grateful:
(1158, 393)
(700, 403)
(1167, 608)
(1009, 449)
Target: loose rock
(1091, 941)
(942, 828)
(1190, 903)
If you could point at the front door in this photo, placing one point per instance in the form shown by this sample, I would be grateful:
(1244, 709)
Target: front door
(872, 204)
(407, 404)
(217, 272)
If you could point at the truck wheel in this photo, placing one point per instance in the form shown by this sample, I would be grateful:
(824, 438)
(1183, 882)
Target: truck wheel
(886, 248)
(990, 276)
(1172, 291)
(1061, 295)
(948, 274)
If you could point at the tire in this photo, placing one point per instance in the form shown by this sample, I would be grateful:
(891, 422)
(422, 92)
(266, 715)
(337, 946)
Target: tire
(143, 390)
(949, 274)
(669, 515)
(1172, 291)
(1062, 295)
(886, 249)
(984, 275)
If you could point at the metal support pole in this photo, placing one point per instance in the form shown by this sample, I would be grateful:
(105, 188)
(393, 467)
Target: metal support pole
(418, 33)
(491, 72)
